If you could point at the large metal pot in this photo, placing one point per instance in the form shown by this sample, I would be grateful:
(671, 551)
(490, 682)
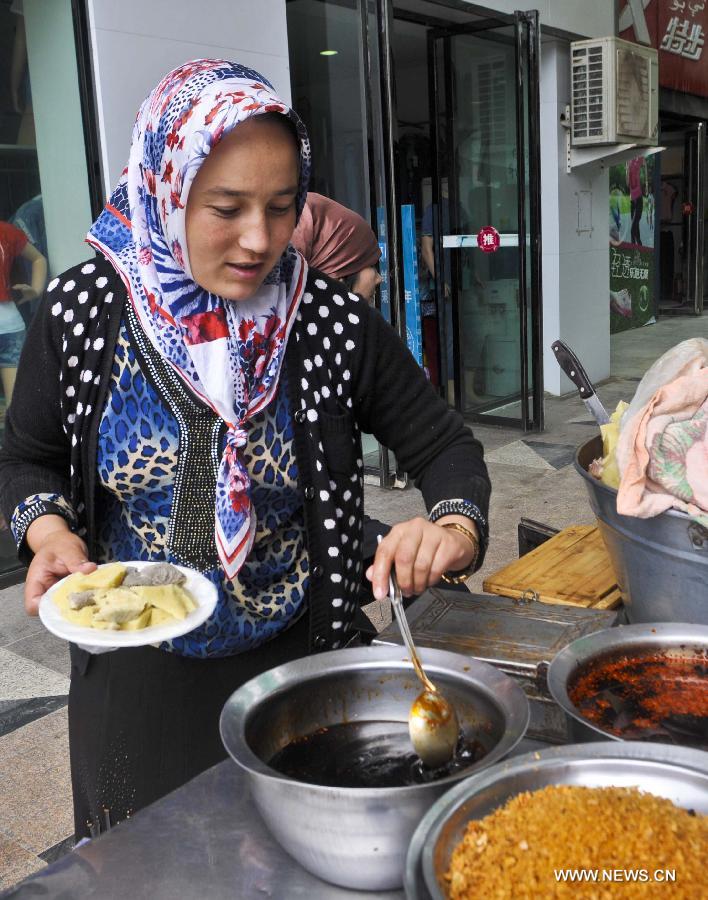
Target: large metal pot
(358, 837)
(585, 652)
(677, 773)
(661, 563)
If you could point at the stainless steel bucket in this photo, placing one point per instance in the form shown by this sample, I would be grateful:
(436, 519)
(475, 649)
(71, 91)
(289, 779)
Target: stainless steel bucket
(661, 563)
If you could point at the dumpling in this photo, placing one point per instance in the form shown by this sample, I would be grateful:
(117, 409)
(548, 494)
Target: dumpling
(108, 576)
(83, 617)
(118, 605)
(105, 599)
(159, 616)
(141, 621)
(156, 574)
(171, 598)
(80, 599)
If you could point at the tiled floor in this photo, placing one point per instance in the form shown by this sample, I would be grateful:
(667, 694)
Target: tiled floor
(532, 476)
(35, 807)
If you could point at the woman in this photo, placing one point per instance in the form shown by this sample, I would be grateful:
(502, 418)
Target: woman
(337, 241)
(199, 400)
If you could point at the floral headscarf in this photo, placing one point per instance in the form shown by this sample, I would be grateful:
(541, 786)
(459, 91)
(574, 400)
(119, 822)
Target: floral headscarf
(229, 353)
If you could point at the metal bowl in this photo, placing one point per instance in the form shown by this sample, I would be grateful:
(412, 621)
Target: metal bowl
(661, 563)
(358, 837)
(677, 773)
(586, 651)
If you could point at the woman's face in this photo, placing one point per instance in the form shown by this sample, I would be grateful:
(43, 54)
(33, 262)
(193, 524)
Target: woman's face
(366, 283)
(241, 208)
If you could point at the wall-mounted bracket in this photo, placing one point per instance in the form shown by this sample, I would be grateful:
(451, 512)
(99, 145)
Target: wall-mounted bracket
(603, 155)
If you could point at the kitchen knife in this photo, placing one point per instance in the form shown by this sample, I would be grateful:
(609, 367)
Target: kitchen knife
(570, 364)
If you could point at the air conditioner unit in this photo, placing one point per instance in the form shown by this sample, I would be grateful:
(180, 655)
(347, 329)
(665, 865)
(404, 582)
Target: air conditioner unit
(615, 93)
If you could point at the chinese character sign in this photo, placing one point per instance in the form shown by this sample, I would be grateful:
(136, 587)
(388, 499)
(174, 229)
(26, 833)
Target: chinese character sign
(414, 337)
(677, 28)
(683, 38)
(632, 229)
(385, 302)
(488, 239)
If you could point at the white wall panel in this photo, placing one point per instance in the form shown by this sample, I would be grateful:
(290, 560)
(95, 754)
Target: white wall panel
(589, 18)
(575, 263)
(233, 24)
(135, 43)
(585, 311)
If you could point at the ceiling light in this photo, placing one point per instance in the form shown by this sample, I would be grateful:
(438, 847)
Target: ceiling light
(329, 52)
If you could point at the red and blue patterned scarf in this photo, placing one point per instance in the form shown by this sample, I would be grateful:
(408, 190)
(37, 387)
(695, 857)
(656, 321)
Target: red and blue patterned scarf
(229, 353)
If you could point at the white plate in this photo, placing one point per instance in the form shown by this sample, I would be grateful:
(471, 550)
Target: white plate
(96, 640)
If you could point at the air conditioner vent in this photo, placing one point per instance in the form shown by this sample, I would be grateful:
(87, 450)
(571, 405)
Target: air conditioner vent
(633, 88)
(614, 92)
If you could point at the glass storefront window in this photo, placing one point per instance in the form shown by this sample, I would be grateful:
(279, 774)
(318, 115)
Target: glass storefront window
(324, 41)
(44, 194)
(327, 75)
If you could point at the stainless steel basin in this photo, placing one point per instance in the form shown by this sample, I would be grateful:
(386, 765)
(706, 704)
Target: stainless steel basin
(680, 639)
(677, 773)
(358, 837)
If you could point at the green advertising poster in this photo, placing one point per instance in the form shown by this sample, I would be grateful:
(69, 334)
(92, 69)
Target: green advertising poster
(632, 225)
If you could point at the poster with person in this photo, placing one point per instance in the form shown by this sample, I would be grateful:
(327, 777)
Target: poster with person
(632, 229)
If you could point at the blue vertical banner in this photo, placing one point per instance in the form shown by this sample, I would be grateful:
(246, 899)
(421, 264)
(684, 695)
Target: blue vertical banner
(384, 294)
(410, 283)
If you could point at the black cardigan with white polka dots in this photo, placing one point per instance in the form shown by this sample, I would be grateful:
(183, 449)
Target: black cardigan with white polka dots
(347, 372)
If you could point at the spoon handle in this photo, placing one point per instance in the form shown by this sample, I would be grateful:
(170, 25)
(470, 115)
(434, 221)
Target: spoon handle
(397, 603)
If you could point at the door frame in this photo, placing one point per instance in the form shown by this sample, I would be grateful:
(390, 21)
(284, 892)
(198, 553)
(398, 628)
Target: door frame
(379, 69)
(689, 134)
(694, 163)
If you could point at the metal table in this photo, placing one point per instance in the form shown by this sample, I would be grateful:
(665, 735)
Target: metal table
(205, 840)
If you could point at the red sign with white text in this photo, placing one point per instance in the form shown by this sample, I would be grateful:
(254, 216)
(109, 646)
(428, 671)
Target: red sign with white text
(488, 239)
(677, 28)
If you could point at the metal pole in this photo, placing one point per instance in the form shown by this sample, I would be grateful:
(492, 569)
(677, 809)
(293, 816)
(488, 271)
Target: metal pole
(534, 118)
(521, 184)
(433, 99)
(700, 217)
(383, 11)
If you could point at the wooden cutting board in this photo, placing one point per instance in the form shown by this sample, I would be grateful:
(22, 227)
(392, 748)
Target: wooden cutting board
(572, 567)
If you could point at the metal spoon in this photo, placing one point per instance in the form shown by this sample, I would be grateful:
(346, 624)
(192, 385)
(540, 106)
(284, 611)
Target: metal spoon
(432, 721)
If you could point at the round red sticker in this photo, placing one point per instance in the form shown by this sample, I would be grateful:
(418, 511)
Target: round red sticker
(488, 239)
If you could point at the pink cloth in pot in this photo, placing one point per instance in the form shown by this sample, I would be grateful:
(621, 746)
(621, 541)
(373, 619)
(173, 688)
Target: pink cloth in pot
(663, 451)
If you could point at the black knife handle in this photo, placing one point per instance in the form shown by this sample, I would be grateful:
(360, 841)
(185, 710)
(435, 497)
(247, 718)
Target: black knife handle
(570, 364)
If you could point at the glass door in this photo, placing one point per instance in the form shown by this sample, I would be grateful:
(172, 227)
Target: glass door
(486, 220)
(683, 208)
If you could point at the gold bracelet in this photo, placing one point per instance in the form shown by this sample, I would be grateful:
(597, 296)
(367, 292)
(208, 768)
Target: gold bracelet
(459, 577)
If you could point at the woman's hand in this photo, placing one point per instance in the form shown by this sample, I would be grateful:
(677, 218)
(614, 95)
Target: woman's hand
(57, 552)
(421, 551)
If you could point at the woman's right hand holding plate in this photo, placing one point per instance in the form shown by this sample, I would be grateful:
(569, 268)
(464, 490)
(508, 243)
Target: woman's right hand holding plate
(58, 552)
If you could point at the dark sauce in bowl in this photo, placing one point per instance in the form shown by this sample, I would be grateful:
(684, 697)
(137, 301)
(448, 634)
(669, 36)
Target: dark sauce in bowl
(366, 755)
(650, 696)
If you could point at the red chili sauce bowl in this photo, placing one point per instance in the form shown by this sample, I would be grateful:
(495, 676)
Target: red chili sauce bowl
(646, 694)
